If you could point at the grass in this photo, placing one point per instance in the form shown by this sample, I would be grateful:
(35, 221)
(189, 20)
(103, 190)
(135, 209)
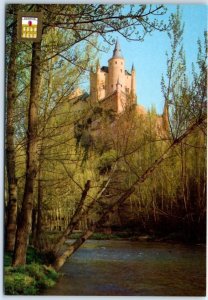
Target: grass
(30, 278)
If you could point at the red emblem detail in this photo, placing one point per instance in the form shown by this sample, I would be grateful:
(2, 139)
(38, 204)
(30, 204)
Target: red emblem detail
(29, 23)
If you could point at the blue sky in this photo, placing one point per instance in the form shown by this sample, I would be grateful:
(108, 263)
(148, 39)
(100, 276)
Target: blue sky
(149, 56)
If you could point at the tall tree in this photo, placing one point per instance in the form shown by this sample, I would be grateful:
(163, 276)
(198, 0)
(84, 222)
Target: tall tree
(24, 224)
(10, 137)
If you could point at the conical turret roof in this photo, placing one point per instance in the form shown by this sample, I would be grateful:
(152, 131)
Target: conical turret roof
(117, 51)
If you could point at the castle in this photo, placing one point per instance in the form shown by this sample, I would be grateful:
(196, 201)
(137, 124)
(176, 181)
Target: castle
(113, 82)
(114, 88)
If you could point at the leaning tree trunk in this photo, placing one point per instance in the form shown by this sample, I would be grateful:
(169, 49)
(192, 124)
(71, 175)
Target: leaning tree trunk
(74, 219)
(24, 225)
(10, 149)
(80, 213)
(101, 219)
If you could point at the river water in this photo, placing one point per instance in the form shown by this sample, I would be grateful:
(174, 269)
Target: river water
(125, 268)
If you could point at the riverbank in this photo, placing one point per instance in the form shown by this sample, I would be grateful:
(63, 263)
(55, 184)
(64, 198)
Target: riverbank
(174, 237)
(28, 279)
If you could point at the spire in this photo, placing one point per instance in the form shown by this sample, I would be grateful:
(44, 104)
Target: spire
(132, 68)
(117, 51)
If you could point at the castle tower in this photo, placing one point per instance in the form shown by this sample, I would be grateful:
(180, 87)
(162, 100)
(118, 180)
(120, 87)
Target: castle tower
(116, 69)
(95, 83)
(105, 82)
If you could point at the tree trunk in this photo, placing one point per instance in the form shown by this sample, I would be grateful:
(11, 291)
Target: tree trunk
(79, 214)
(10, 149)
(24, 226)
(72, 248)
(74, 219)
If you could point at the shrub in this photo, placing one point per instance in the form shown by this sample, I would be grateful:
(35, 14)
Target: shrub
(28, 279)
(35, 270)
(19, 284)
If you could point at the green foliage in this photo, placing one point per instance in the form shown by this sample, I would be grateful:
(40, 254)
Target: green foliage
(19, 284)
(28, 279)
(106, 161)
(33, 256)
(75, 235)
(7, 259)
(51, 273)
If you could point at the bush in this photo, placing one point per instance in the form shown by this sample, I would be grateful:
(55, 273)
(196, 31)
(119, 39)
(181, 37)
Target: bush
(19, 284)
(28, 279)
(35, 270)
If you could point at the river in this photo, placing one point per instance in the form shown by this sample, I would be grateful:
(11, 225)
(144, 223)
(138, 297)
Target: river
(125, 268)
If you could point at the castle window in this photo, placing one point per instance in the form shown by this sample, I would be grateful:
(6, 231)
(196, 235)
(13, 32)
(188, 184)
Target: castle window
(103, 87)
(111, 85)
(127, 90)
(116, 62)
(121, 70)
